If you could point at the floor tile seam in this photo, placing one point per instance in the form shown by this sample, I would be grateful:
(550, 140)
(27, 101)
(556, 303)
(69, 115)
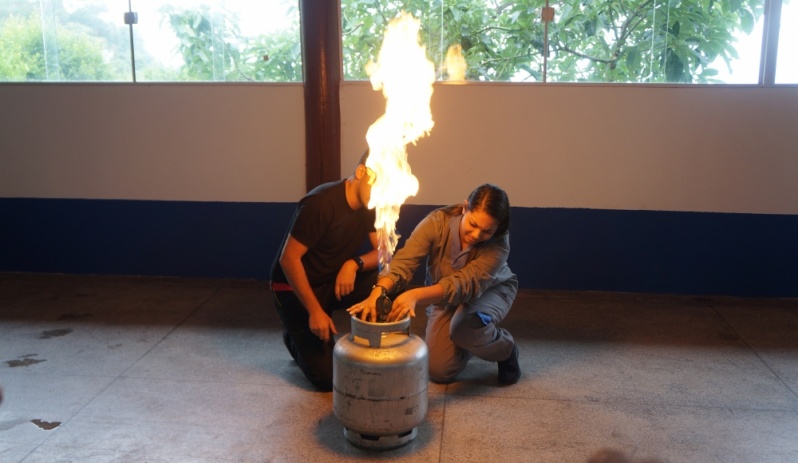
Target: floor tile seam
(148, 455)
(756, 353)
(117, 377)
(174, 328)
(50, 435)
(232, 424)
(633, 402)
(17, 443)
(57, 374)
(288, 387)
(446, 398)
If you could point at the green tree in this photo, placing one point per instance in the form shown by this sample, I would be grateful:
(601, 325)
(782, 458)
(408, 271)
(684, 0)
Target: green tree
(647, 40)
(274, 57)
(213, 48)
(605, 41)
(80, 57)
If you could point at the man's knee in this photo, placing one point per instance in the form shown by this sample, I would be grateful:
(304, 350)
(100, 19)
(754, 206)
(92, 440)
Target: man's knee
(319, 374)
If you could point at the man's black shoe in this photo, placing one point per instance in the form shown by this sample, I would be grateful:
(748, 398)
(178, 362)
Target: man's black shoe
(509, 370)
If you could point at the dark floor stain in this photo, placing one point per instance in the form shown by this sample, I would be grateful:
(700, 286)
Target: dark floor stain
(54, 333)
(75, 316)
(26, 361)
(115, 346)
(46, 425)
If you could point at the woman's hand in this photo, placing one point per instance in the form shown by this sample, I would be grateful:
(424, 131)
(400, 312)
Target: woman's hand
(367, 309)
(404, 304)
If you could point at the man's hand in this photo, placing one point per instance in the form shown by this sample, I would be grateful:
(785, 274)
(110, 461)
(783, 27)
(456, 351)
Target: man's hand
(345, 280)
(322, 325)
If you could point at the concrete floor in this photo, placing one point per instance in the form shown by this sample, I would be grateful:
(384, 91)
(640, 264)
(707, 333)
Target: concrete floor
(118, 369)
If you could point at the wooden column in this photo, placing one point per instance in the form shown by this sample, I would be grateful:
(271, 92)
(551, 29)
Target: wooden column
(321, 57)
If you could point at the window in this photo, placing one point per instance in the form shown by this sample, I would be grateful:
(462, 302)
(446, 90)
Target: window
(172, 40)
(62, 41)
(623, 41)
(498, 39)
(684, 41)
(635, 41)
(218, 40)
(787, 61)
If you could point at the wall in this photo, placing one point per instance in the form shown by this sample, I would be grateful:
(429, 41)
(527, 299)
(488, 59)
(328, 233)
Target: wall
(152, 142)
(620, 188)
(703, 149)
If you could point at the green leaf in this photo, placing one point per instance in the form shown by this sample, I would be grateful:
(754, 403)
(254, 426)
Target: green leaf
(747, 21)
(674, 69)
(633, 58)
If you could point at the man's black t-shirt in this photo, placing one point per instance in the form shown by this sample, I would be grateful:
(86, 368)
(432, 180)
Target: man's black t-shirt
(331, 230)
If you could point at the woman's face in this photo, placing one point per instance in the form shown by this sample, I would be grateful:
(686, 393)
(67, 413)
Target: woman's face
(476, 227)
(368, 177)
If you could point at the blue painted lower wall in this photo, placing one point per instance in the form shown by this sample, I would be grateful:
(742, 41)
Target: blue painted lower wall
(575, 249)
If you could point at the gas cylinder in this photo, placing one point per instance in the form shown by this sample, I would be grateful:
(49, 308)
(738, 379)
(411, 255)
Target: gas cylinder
(380, 377)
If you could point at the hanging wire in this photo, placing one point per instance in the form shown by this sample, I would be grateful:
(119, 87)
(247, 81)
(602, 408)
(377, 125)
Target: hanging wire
(653, 36)
(440, 50)
(50, 43)
(546, 43)
(667, 25)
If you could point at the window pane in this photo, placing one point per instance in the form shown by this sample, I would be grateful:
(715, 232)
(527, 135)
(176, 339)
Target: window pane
(650, 41)
(744, 69)
(687, 41)
(787, 60)
(218, 40)
(69, 40)
(499, 40)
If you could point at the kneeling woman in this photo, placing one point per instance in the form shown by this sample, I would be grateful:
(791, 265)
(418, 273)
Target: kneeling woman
(469, 287)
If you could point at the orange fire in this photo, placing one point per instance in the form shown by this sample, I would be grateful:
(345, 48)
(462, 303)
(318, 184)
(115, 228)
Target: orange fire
(455, 64)
(405, 76)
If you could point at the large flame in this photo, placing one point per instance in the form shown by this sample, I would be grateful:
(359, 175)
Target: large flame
(405, 76)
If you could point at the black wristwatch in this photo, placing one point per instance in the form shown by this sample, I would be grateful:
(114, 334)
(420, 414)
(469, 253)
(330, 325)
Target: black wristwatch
(359, 262)
(383, 288)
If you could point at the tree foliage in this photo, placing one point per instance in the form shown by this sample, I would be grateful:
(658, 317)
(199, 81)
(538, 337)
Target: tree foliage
(588, 41)
(80, 57)
(85, 47)
(90, 47)
(601, 41)
(213, 48)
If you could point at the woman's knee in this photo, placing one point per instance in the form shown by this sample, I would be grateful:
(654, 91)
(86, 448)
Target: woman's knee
(468, 331)
(443, 372)
(446, 364)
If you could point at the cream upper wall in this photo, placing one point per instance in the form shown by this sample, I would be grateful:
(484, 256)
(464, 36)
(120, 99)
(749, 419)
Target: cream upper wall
(717, 149)
(196, 142)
